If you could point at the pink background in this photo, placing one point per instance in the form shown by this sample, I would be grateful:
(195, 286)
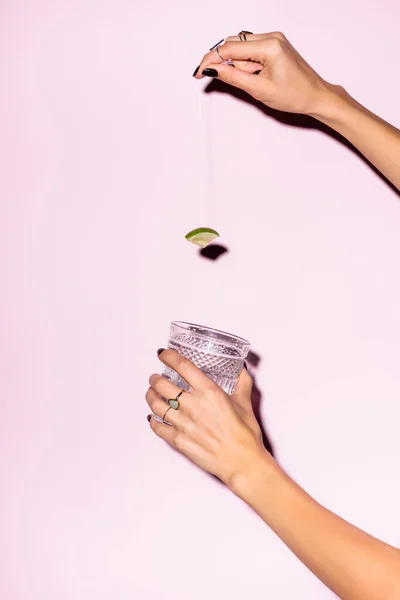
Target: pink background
(105, 163)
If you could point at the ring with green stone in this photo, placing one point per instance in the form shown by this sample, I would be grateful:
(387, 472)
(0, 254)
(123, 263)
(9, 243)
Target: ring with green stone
(174, 402)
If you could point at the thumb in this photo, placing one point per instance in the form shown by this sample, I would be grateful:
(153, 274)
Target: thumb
(248, 82)
(242, 393)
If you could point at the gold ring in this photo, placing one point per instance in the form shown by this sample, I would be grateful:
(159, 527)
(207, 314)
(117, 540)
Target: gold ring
(174, 402)
(165, 414)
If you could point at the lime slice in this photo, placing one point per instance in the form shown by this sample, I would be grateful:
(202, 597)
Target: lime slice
(202, 236)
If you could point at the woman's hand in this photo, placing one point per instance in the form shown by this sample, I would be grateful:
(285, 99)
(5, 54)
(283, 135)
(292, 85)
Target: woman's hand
(217, 432)
(284, 82)
(220, 434)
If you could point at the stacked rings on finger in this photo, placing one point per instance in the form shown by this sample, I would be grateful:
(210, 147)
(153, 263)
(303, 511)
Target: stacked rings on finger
(216, 47)
(242, 35)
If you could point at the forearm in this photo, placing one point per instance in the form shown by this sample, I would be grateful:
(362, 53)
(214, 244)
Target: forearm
(376, 139)
(350, 562)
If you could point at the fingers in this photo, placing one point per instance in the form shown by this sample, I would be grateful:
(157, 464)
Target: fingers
(233, 51)
(179, 441)
(248, 58)
(164, 432)
(159, 407)
(249, 37)
(165, 388)
(258, 53)
(249, 66)
(242, 393)
(188, 370)
(245, 383)
(252, 37)
(248, 82)
(256, 49)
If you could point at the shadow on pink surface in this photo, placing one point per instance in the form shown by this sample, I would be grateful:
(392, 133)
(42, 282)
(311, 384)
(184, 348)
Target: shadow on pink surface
(213, 251)
(253, 361)
(293, 120)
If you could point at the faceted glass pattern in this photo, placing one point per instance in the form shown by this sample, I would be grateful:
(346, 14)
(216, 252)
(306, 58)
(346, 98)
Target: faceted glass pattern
(219, 355)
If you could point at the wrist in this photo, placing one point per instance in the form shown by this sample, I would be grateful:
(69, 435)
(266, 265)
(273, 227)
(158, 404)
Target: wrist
(259, 472)
(333, 105)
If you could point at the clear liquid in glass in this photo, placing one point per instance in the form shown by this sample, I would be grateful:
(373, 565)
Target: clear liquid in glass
(219, 355)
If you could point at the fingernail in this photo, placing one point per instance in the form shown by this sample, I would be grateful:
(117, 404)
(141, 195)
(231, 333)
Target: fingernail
(196, 71)
(210, 73)
(245, 365)
(149, 418)
(159, 351)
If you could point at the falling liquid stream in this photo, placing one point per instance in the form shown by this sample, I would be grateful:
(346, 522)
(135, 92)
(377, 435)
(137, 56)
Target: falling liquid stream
(206, 174)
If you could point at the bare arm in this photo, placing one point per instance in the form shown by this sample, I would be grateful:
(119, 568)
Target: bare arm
(285, 81)
(376, 139)
(353, 564)
(220, 434)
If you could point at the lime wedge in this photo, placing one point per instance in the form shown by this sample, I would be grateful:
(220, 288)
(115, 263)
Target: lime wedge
(202, 236)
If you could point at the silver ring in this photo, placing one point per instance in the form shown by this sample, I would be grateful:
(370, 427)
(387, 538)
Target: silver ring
(221, 57)
(244, 33)
(217, 44)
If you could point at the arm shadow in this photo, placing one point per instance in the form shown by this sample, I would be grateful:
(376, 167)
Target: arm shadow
(253, 360)
(294, 120)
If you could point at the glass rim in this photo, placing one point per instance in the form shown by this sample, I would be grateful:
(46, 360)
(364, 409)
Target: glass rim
(212, 329)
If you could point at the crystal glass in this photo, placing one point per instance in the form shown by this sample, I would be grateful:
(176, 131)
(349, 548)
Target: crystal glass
(219, 355)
